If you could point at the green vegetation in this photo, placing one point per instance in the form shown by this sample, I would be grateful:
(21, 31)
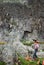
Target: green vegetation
(29, 43)
(25, 62)
(2, 63)
(26, 42)
(31, 62)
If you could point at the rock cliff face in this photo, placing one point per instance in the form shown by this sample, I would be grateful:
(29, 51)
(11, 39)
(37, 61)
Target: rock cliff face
(21, 19)
(26, 15)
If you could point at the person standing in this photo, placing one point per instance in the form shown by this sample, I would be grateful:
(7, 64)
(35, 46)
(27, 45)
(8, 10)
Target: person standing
(36, 46)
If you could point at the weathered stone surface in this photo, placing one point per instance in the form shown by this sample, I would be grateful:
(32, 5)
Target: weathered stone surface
(15, 1)
(9, 51)
(40, 54)
(1, 58)
(42, 46)
(25, 17)
(20, 48)
(7, 55)
(30, 49)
